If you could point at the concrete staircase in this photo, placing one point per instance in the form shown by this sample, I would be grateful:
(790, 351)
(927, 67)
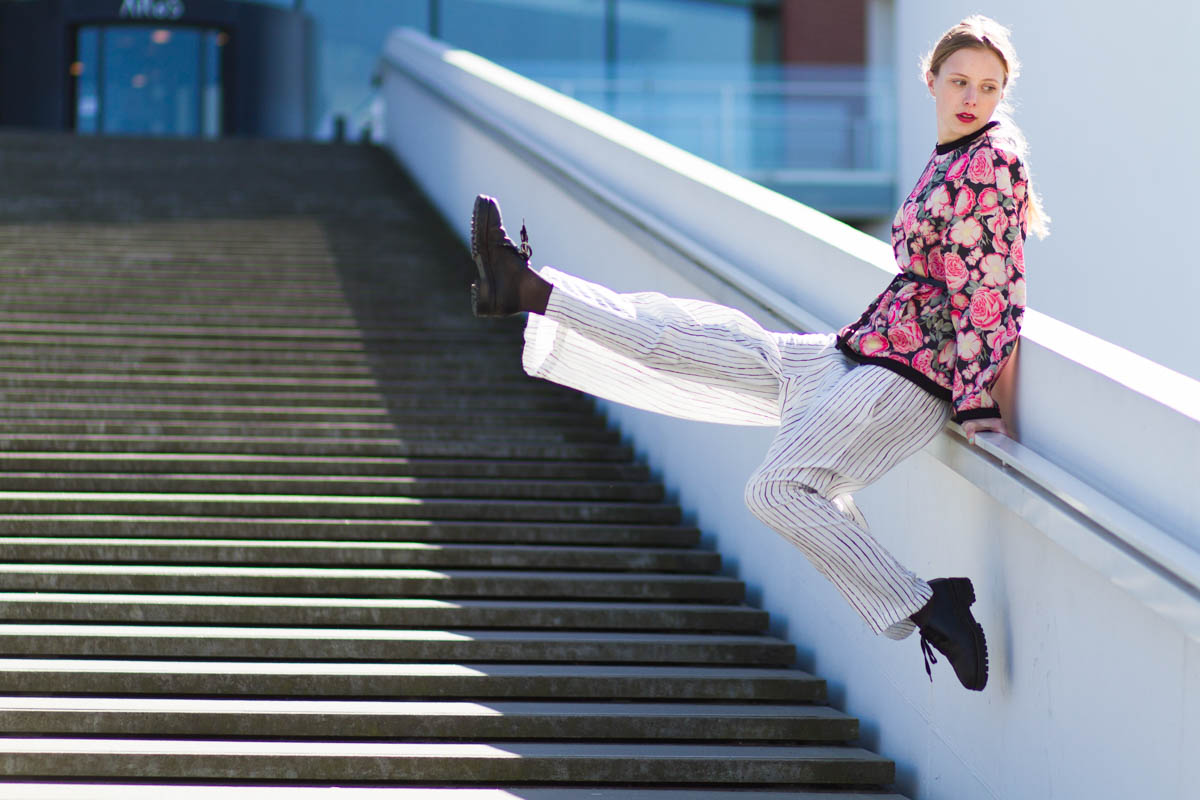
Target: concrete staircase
(276, 512)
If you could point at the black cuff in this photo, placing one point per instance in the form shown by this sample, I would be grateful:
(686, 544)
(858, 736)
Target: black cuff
(975, 413)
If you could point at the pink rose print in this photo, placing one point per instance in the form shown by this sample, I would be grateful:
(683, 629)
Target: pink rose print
(923, 361)
(1016, 293)
(917, 265)
(1004, 182)
(966, 232)
(872, 343)
(938, 203)
(969, 403)
(955, 272)
(958, 384)
(989, 200)
(964, 201)
(997, 224)
(1018, 255)
(948, 353)
(1019, 190)
(1000, 246)
(935, 264)
(959, 301)
(957, 168)
(987, 307)
(924, 181)
(906, 336)
(969, 345)
(993, 270)
(910, 217)
(1002, 336)
(981, 169)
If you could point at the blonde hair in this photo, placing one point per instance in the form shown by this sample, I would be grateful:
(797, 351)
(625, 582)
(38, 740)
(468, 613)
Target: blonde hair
(984, 33)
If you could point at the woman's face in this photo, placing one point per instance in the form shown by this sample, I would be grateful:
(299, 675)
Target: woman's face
(967, 88)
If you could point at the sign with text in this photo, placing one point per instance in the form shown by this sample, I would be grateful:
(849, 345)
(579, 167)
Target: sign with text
(151, 9)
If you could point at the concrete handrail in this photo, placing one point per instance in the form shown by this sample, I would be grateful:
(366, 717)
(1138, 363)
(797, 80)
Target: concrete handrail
(1134, 521)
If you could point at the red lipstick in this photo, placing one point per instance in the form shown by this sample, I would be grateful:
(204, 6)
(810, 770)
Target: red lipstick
(964, 117)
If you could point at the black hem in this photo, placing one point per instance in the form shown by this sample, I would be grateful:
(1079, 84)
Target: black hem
(976, 413)
(903, 370)
(949, 147)
(935, 389)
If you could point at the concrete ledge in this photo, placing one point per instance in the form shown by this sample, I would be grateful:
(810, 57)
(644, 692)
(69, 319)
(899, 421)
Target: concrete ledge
(633, 182)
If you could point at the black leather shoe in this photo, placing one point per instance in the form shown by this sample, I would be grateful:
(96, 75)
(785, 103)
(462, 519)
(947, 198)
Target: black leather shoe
(499, 261)
(946, 623)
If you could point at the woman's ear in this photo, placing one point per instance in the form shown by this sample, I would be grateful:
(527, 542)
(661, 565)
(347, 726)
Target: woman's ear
(929, 76)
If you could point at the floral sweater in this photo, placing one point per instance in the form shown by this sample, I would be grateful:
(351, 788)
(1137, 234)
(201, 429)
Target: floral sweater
(950, 319)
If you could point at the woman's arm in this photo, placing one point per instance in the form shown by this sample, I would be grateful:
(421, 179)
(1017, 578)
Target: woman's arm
(983, 253)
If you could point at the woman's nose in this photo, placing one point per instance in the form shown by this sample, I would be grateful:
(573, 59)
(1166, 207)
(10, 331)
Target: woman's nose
(969, 96)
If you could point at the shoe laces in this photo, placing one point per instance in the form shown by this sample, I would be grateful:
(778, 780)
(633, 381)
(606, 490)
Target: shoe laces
(525, 249)
(927, 652)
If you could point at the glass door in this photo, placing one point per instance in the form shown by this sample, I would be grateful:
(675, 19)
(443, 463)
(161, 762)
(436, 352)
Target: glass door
(147, 81)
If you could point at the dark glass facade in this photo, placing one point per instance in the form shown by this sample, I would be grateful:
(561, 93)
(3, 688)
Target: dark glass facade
(149, 80)
(156, 67)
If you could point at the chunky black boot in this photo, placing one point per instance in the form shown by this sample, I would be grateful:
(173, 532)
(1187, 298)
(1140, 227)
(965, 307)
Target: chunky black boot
(501, 264)
(946, 622)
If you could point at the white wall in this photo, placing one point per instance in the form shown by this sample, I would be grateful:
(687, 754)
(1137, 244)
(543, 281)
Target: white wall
(1108, 102)
(1095, 689)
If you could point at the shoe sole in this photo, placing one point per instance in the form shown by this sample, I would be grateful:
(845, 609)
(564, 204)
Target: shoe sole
(964, 593)
(482, 215)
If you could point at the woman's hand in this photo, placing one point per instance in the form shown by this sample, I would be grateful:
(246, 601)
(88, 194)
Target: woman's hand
(974, 426)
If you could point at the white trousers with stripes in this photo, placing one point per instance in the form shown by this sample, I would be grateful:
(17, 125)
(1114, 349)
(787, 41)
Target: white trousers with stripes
(841, 425)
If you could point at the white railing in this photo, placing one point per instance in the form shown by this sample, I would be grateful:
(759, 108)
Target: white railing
(1071, 534)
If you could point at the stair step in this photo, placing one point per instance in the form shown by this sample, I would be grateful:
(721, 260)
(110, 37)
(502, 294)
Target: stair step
(364, 582)
(199, 396)
(132, 364)
(347, 553)
(328, 446)
(203, 464)
(332, 506)
(422, 720)
(551, 762)
(414, 530)
(309, 430)
(367, 644)
(158, 791)
(247, 678)
(142, 412)
(335, 485)
(43, 607)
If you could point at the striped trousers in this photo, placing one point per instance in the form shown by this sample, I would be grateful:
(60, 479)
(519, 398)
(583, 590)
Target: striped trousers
(841, 425)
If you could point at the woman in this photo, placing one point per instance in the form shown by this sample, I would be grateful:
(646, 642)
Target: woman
(849, 405)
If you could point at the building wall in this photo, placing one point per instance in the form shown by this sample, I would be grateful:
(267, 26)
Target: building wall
(1106, 102)
(820, 32)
